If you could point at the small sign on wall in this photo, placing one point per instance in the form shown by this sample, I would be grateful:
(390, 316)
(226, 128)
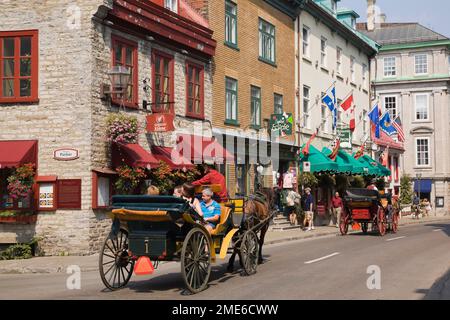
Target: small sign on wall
(66, 154)
(47, 196)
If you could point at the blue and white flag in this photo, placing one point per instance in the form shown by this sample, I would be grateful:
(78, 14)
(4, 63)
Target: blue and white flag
(329, 99)
(387, 125)
(374, 116)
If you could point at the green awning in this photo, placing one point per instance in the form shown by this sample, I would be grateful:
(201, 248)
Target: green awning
(373, 167)
(343, 164)
(319, 162)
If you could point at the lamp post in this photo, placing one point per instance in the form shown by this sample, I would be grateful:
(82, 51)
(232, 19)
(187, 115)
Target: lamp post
(119, 78)
(418, 175)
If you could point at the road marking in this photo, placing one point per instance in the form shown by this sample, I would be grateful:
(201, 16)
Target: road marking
(323, 258)
(396, 238)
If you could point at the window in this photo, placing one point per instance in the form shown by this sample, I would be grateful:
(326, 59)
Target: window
(266, 41)
(231, 100)
(306, 120)
(390, 69)
(352, 69)
(324, 114)
(364, 76)
(339, 60)
(364, 115)
(421, 62)
(305, 40)
(278, 103)
(19, 66)
(163, 82)
(422, 151)
(323, 52)
(69, 194)
(339, 112)
(256, 107)
(230, 23)
(421, 107)
(194, 84)
(390, 105)
(172, 5)
(333, 6)
(125, 54)
(102, 189)
(353, 23)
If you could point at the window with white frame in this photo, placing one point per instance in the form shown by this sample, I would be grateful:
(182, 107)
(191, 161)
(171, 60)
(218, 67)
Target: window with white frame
(339, 112)
(266, 41)
(305, 40)
(364, 76)
(352, 69)
(390, 105)
(364, 115)
(323, 52)
(324, 114)
(172, 5)
(339, 60)
(390, 69)
(422, 151)
(306, 119)
(421, 107)
(421, 63)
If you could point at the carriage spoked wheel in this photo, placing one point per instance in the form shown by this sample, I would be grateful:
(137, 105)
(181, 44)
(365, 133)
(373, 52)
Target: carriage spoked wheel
(249, 252)
(196, 260)
(394, 225)
(343, 224)
(381, 222)
(365, 227)
(115, 264)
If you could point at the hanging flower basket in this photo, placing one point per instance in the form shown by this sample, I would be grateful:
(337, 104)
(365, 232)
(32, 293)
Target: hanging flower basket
(18, 218)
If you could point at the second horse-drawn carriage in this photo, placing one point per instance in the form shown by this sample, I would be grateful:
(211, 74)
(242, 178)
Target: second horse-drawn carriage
(152, 229)
(368, 208)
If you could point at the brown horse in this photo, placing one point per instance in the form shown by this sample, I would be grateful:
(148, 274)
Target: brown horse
(256, 210)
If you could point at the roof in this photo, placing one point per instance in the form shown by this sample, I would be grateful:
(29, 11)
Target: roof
(344, 11)
(396, 33)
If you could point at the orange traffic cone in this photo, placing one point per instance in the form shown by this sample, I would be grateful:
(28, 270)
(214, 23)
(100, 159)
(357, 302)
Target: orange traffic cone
(356, 226)
(143, 266)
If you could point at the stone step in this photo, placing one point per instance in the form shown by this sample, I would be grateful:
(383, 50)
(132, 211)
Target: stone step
(284, 228)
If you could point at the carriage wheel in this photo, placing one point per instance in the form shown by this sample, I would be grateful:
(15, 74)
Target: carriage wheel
(365, 227)
(381, 222)
(249, 252)
(394, 225)
(343, 224)
(115, 264)
(196, 260)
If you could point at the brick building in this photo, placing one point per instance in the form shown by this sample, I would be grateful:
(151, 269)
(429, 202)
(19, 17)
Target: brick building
(53, 101)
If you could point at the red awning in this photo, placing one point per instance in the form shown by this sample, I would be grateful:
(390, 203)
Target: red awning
(173, 158)
(17, 152)
(386, 140)
(132, 155)
(203, 149)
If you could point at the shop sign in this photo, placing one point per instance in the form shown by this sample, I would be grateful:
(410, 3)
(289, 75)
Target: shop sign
(160, 122)
(306, 166)
(65, 154)
(281, 124)
(345, 137)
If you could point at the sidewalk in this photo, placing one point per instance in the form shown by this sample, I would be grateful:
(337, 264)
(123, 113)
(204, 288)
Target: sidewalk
(90, 263)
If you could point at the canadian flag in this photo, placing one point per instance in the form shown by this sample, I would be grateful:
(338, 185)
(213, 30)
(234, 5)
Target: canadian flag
(352, 120)
(347, 103)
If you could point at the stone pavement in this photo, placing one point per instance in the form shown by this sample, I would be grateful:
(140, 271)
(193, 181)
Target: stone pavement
(59, 264)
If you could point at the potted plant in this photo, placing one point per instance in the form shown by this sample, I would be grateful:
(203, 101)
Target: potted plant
(129, 179)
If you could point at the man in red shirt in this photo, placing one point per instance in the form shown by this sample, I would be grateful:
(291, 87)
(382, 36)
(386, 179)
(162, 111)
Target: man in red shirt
(336, 207)
(213, 176)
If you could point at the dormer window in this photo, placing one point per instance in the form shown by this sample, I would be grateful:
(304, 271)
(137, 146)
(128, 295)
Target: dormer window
(354, 23)
(172, 5)
(333, 6)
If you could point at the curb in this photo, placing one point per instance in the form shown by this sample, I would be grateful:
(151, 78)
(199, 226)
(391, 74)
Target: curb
(49, 270)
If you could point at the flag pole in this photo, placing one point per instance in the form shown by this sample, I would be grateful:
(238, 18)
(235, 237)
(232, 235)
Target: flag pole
(325, 93)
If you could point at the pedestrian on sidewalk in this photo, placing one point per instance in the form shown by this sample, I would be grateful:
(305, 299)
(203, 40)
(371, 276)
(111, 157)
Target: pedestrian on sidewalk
(337, 206)
(292, 201)
(308, 208)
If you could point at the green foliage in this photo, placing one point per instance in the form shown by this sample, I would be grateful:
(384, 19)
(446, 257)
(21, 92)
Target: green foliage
(308, 180)
(20, 182)
(122, 128)
(342, 183)
(13, 213)
(129, 179)
(326, 180)
(380, 183)
(357, 182)
(406, 190)
(166, 179)
(16, 252)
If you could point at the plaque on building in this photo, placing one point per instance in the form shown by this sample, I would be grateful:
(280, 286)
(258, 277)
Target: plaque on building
(69, 194)
(66, 154)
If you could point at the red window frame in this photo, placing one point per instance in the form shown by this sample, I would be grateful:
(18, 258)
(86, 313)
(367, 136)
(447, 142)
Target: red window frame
(17, 35)
(95, 177)
(200, 70)
(133, 103)
(50, 180)
(156, 54)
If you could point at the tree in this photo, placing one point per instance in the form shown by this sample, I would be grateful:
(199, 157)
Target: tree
(406, 190)
(357, 182)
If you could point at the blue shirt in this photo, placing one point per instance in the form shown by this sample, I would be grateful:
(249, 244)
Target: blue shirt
(211, 210)
(308, 201)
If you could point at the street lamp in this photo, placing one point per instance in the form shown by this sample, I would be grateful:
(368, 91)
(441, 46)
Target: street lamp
(418, 175)
(119, 77)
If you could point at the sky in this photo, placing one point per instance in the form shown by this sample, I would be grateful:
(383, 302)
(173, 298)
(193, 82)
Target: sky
(433, 14)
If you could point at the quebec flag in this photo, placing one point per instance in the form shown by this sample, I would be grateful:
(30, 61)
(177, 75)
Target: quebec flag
(331, 102)
(386, 124)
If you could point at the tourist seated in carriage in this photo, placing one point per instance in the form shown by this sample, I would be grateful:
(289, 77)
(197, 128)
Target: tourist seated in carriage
(213, 176)
(210, 210)
(188, 194)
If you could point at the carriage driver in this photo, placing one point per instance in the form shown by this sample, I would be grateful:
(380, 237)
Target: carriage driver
(210, 210)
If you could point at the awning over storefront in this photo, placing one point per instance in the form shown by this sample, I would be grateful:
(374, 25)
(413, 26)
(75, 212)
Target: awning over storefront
(172, 157)
(319, 162)
(201, 149)
(425, 185)
(373, 167)
(18, 152)
(133, 155)
(344, 165)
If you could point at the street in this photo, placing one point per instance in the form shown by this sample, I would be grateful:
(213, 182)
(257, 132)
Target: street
(413, 264)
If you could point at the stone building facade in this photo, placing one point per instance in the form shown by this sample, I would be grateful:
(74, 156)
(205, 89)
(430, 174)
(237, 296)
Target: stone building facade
(74, 55)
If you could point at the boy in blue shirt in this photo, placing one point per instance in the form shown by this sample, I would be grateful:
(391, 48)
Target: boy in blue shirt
(210, 210)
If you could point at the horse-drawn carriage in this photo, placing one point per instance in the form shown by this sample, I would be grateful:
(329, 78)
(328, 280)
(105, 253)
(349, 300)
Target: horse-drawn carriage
(152, 229)
(364, 207)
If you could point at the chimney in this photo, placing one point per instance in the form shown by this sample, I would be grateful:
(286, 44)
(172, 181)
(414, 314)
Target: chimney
(382, 17)
(371, 5)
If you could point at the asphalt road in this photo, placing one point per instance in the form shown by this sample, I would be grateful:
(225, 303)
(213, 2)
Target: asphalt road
(413, 264)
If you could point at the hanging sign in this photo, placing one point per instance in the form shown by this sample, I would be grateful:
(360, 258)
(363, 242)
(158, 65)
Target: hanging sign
(160, 122)
(281, 124)
(345, 137)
